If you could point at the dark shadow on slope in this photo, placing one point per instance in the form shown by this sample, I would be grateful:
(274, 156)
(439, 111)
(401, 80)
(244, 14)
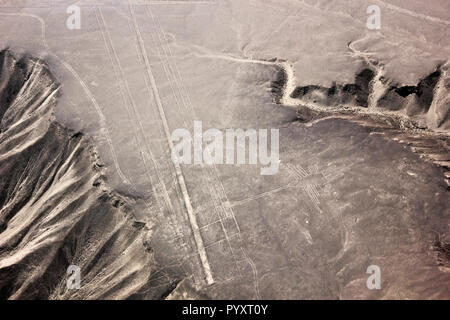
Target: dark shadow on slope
(351, 93)
(56, 208)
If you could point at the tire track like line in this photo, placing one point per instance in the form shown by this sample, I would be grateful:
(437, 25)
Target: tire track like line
(102, 117)
(181, 89)
(179, 238)
(171, 76)
(182, 184)
(221, 201)
(114, 67)
(167, 70)
(413, 13)
(217, 192)
(134, 116)
(174, 224)
(105, 131)
(179, 105)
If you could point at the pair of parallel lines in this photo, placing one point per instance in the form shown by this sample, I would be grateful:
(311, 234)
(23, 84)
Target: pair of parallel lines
(158, 189)
(174, 77)
(218, 194)
(178, 171)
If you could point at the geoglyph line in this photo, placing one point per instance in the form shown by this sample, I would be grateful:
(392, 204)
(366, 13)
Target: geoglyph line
(106, 134)
(179, 173)
(214, 185)
(218, 195)
(158, 188)
(290, 85)
(413, 13)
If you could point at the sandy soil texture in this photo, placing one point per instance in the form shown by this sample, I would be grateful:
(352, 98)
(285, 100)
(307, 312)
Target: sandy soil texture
(87, 178)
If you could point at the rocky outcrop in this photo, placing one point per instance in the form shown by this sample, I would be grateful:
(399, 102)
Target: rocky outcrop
(356, 94)
(415, 115)
(56, 208)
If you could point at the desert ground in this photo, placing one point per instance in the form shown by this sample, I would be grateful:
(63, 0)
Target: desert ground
(363, 120)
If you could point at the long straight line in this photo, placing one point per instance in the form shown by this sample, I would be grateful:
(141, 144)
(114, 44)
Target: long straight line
(179, 173)
(133, 114)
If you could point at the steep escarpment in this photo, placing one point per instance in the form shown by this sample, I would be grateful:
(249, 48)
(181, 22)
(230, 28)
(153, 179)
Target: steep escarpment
(356, 93)
(417, 116)
(56, 209)
(425, 105)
